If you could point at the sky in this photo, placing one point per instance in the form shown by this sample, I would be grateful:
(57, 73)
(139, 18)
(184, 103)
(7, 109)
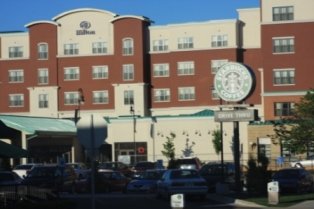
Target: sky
(15, 14)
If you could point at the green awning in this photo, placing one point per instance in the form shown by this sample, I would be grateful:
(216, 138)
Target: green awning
(34, 125)
(11, 151)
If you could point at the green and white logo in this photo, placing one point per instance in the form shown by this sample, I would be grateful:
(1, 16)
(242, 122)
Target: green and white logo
(233, 82)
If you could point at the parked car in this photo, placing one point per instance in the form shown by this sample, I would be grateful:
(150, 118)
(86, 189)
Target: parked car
(110, 181)
(294, 180)
(80, 169)
(309, 162)
(146, 182)
(181, 181)
(52, 176)
(141, 167)
(23, 169)
(116, 166)
(212, 173)
(186, 163)
(9, 178)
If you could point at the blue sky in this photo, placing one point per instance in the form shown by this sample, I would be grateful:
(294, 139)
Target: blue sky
(14, 14)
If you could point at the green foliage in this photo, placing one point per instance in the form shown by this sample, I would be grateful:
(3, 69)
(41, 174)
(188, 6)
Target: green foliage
(297, 132)
(187, 152)
(217, 141)
(169, 149)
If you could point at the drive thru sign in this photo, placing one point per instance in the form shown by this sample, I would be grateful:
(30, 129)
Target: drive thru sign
(92, 131)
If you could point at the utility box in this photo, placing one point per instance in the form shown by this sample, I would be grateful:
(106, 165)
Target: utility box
(273, 192)
(177, 201)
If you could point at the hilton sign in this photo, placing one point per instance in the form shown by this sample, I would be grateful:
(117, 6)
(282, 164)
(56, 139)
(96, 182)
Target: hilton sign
(85, 25)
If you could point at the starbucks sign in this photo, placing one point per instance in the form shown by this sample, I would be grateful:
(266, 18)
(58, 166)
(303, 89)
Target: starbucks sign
(233, 82)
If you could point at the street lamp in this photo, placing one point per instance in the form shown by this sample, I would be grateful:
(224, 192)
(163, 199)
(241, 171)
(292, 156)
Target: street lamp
(80, 100)
(132, 111)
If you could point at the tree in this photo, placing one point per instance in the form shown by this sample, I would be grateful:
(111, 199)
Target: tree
(297, 131)
(187, 152)
(169, 149)
(217, 141)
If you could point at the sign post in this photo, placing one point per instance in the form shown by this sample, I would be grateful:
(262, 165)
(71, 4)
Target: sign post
(92, 133)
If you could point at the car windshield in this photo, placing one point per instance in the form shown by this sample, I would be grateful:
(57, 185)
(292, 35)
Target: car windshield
(184, 174)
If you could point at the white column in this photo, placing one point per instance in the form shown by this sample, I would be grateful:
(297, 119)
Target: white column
(24, 146)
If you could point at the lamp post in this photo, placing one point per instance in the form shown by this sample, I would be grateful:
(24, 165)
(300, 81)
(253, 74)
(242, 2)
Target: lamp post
(221, 145)
(80, 100)
(132, 111)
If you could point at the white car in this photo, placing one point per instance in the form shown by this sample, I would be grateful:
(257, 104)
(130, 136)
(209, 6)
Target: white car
(23, 169)
(182, 181)
(304, 163)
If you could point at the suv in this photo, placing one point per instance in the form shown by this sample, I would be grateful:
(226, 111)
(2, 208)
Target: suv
(52, 176)
(186, 163)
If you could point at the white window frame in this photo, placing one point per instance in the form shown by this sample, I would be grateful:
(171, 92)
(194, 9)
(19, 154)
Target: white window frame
(282, 77)
(43, 76)
(218, 41)
(283, 45)
(162, 95)
(285, 13)
(128, 72)
(16, 76)
(71, 49)
(16, 52)
(161, 70)
(216, 64)
(128, 97)
(43, 101)
(71, 73)
(100, 97)
(160, 45)
(186, 93)
(71, 98)
(99, 48)
(185, 43)
(127, 47)
(185, 68)
(100, 72)
(16, 100)
(42, 49)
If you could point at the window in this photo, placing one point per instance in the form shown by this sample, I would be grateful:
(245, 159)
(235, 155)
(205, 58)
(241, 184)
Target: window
(100, 72)
(282, 45)
(186, 93)
(16, 100)
(43, 101)
(219, 40)
(128, 72)
(71, 98)
(160, 45)
(128, 97)
(185, 68)
(283, 13)
(284, 76)
(15, 52)
(161, 95)
(42, 51)
(71, 49)
(185, 43)
(161, 70)
(99, 48)
(284, 108)
(43, 76)
(16, 76)
(127, 46)
(216, 64)
(72, 73)
(100, 97)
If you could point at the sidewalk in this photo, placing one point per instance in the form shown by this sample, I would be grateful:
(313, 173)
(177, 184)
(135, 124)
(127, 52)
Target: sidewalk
(239, 202)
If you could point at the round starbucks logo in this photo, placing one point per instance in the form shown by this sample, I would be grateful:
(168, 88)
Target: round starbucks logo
(233, 82)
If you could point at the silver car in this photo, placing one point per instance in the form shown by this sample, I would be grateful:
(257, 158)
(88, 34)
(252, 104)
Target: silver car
(182, 181)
